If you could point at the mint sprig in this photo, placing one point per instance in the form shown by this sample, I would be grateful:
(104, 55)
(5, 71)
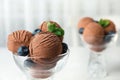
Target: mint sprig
(54, 29)
(104, 23)
(51, 27)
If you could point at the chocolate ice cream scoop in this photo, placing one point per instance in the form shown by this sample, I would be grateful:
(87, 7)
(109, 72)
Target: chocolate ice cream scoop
(93, 34)
(53, 27)
(17, 39)
(44, 26)
(110, 28)
(84, 22)
(45, 45)
(43, 66)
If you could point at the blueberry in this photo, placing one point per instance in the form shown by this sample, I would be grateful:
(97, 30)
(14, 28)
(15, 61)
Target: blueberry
(29, 63)
(23, 51)
(111, 33)
(81, 30)
(64, 47)
(36, 31)
(109, 36)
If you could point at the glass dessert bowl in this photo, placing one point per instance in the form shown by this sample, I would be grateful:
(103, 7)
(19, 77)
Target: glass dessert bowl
(44, 70)
(97, 63)
(97, 36)
(39, 54)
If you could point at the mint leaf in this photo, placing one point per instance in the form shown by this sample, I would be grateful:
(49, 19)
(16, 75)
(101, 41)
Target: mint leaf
(60, 30)
(100, 21)
(104, 23)
(54, 29)
(51, 27)
(58, 33)
(107, 22)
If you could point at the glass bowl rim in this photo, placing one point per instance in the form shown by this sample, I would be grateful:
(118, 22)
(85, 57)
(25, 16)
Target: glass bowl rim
(60, 55)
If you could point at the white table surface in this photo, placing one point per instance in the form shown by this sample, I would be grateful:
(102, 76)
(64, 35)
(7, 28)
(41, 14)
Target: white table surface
(75, 69)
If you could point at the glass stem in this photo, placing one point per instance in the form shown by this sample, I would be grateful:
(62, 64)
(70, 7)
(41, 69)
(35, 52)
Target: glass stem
(96, 66)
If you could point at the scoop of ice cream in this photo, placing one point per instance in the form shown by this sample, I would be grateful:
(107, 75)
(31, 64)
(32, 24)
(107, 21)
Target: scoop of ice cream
(44, 66)
(17, 39)
(53, 27)
(45, 45)
(93, 34)
(84, 22)
(44, 26)
(29, 64)
(110, 28)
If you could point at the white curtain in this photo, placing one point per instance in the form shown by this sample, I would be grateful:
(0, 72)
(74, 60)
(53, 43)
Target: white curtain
(29, 14)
